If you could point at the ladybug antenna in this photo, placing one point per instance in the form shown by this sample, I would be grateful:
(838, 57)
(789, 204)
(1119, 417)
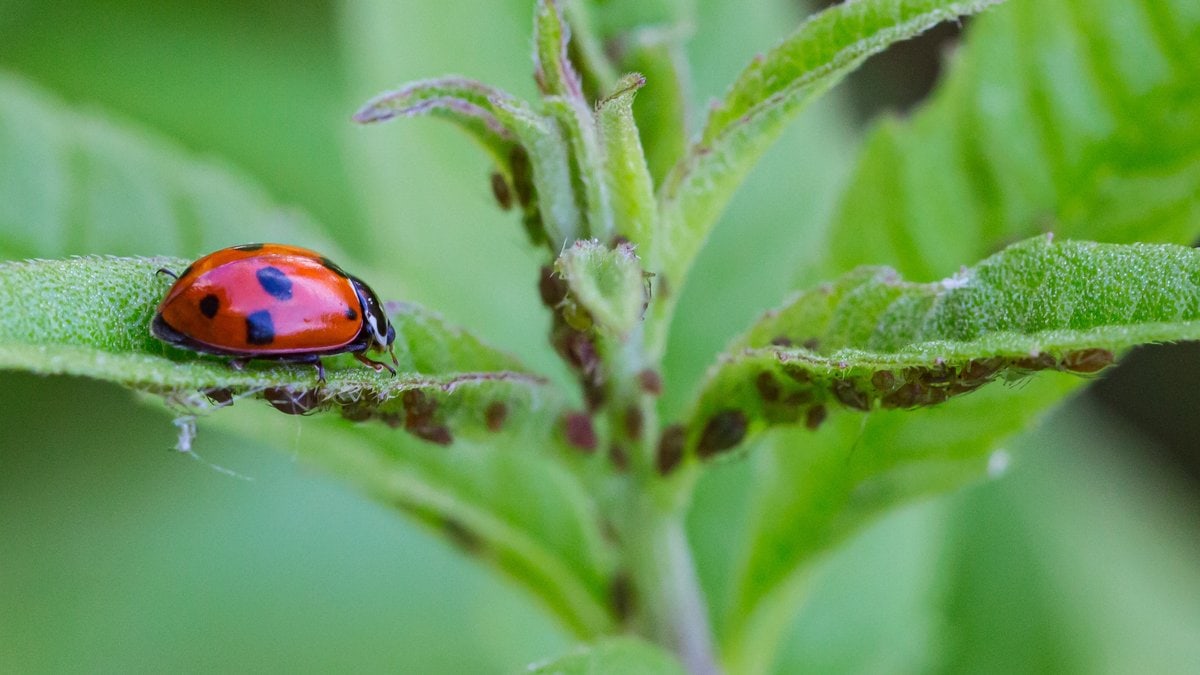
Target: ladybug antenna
(163, 270)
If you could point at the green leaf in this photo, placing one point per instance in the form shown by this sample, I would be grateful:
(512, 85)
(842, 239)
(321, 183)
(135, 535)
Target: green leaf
(956, 182)
(90, 316)
(608, 283)
(769, 93)
(467, 103)
(75, 183)
(499, 500)
(1077, 117)
(871, 340)
(578, 122)
(628, 655)
(813, 490)
(552, 63)
(626, 173)
(550, 160)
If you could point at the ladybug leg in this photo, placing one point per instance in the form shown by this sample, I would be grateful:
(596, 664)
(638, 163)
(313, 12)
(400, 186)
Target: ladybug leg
(377, 365)
(320, 370)
(163, 270)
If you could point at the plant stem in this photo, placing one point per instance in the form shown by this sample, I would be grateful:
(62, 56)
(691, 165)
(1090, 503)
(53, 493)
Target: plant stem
(670, 607)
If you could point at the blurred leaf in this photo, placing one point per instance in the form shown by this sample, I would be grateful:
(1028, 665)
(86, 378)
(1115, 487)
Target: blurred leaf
(76, 183)
(90, 316)
(259, 85)
(500, 502)
(769, 93)
(874, 340)
(1084, 523)
(812, 490)
(1081, 118)
(627, 655)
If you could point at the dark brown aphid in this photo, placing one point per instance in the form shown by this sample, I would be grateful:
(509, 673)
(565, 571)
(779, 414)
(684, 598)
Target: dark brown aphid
(883, 381)
(724, 430)
(850, 396)
(622, 596)
(580, 431)
(670, 448)
(292, 401)
(495, 415)
(1039, 361)
(634, 422)
(1087, 360)
(814, 417)
(650, 382)
(551, 287)
(501, 191)
(619, 457)
(768, 387)
(219, 395)
(522, 174)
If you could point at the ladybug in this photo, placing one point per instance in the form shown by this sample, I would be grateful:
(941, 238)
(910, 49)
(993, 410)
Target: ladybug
(276, 302)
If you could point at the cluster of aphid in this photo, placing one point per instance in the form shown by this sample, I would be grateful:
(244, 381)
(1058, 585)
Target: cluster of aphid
(801, 396)
(574, 338)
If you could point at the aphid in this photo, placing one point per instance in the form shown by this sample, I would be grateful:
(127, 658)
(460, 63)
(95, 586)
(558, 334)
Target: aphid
(273, 302)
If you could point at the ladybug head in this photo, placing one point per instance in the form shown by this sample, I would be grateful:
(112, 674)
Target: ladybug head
(379, 331)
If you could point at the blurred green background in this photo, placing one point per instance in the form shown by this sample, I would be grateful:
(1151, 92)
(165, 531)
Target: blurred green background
(121, 555)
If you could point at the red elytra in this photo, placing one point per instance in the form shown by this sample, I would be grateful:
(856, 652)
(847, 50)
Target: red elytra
(276, 302)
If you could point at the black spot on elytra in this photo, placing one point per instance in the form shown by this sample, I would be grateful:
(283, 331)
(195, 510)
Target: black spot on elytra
(260, 329)
(724, 430)
(248, 247)
(275, 282)
(209, 305)
(351, 314)
(333, 267)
